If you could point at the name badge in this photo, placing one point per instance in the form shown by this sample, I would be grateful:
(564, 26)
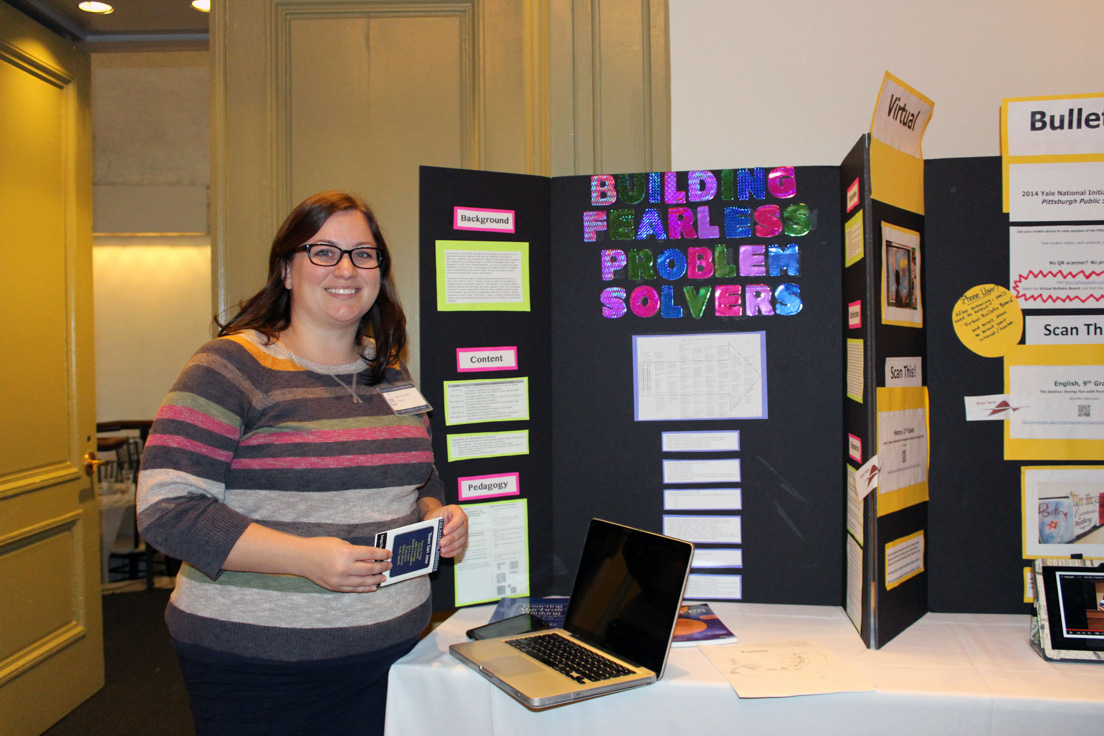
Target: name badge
(405, 399)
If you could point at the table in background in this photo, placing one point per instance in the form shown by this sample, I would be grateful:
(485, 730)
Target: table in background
(116, 507)
(946, 674)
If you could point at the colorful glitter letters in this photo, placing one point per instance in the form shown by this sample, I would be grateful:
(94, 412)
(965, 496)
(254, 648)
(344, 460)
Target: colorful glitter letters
(664, 206)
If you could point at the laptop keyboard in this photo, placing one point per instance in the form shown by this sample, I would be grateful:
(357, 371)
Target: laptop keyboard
(567, 657)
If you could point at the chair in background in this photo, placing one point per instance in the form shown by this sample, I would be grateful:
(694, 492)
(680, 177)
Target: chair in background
(121, 443)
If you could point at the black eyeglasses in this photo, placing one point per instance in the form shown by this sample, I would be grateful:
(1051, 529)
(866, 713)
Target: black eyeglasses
(327, 254)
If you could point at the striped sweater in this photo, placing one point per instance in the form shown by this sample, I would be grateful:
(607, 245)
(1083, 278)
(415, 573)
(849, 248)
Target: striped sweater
(249, 433)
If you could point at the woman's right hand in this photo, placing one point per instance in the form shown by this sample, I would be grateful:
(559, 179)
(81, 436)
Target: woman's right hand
(329, 562)
(342, 567)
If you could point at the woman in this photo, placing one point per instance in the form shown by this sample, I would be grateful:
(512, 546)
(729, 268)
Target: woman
(270, 467)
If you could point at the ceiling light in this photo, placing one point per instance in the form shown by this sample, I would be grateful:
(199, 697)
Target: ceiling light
(92, 7)
(202, 5)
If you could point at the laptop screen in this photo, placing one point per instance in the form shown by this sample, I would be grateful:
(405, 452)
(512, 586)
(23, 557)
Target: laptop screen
(627, 592)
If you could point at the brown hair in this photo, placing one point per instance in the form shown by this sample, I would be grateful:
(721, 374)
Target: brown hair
(269, 310)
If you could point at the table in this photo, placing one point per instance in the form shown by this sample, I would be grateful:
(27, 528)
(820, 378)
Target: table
(946, 674)
(116, 507)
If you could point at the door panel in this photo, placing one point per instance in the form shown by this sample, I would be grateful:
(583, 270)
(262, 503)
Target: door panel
(51, 641)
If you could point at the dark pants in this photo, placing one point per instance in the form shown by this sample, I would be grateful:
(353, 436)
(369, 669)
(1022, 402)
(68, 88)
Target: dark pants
(241, 697)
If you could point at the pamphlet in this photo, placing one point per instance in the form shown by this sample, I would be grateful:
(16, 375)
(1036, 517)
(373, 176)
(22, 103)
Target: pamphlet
(415, 549)
(697, 624)
(550, 610)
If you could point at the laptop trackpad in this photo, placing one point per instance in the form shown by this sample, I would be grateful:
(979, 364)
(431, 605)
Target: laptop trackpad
(512, 666)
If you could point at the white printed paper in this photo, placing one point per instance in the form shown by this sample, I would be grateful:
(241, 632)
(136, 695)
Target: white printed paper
(481, 277)
(708, 376)
(1057, 266)
(992, 408)
(704, 529)
(728, 557)
(701, 471)
(720, 441)
(487, 444)
(713, 588)
(902, 449)
(1062, 329)
(783, 669)
(496, 562)
(472, 402)
(1060, 401)
(900, 116)
(702, 499)
(904, 372)
(854, 504)
(1055, 126)
(1055, 192)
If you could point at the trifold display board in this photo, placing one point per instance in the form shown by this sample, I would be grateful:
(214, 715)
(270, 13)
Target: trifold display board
(675, 337)
(667, 350)
(886, 412)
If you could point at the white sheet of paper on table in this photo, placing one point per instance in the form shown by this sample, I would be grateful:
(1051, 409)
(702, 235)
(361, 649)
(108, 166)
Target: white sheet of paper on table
(783, 669)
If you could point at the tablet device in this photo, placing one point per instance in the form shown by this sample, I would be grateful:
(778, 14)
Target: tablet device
(520, 624)
(1069, 606)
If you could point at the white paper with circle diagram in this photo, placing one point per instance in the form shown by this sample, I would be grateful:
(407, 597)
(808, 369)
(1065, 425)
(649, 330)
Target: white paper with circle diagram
(784, 669)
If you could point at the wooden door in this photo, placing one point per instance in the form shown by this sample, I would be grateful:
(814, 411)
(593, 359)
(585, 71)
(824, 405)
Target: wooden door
(51, 638)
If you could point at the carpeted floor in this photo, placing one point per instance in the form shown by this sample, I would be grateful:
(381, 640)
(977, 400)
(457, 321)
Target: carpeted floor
(144, 693)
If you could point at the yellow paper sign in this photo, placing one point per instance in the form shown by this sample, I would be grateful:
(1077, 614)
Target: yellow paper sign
(988, 320)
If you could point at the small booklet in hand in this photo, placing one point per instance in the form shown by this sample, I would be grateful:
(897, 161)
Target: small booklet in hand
(415, 549)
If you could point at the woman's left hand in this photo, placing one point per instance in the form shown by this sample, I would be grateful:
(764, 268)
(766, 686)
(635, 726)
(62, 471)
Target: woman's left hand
(455, 537)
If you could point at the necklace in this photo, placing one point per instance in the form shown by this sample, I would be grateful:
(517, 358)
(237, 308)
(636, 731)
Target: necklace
(351, 388)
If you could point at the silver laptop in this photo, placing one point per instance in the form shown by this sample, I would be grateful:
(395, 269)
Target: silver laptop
(623, 608)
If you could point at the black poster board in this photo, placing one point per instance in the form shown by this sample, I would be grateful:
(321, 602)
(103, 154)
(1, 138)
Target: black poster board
(442, 332)
(590, 458)
(975, 506)
(604, 463)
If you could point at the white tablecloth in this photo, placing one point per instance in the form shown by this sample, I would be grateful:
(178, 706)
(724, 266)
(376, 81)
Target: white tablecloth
(115, 508)
(946, 674)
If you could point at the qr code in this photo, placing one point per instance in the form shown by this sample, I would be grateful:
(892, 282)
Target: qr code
(1084, 410)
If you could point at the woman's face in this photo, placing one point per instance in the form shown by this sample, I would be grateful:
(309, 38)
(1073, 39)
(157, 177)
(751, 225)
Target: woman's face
(325, 297)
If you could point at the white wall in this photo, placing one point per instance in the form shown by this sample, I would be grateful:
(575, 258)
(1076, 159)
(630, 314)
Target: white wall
(153, 309)
(757, 83)
(151, 171)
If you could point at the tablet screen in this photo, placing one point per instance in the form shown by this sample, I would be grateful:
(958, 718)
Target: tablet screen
(1075, 604)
